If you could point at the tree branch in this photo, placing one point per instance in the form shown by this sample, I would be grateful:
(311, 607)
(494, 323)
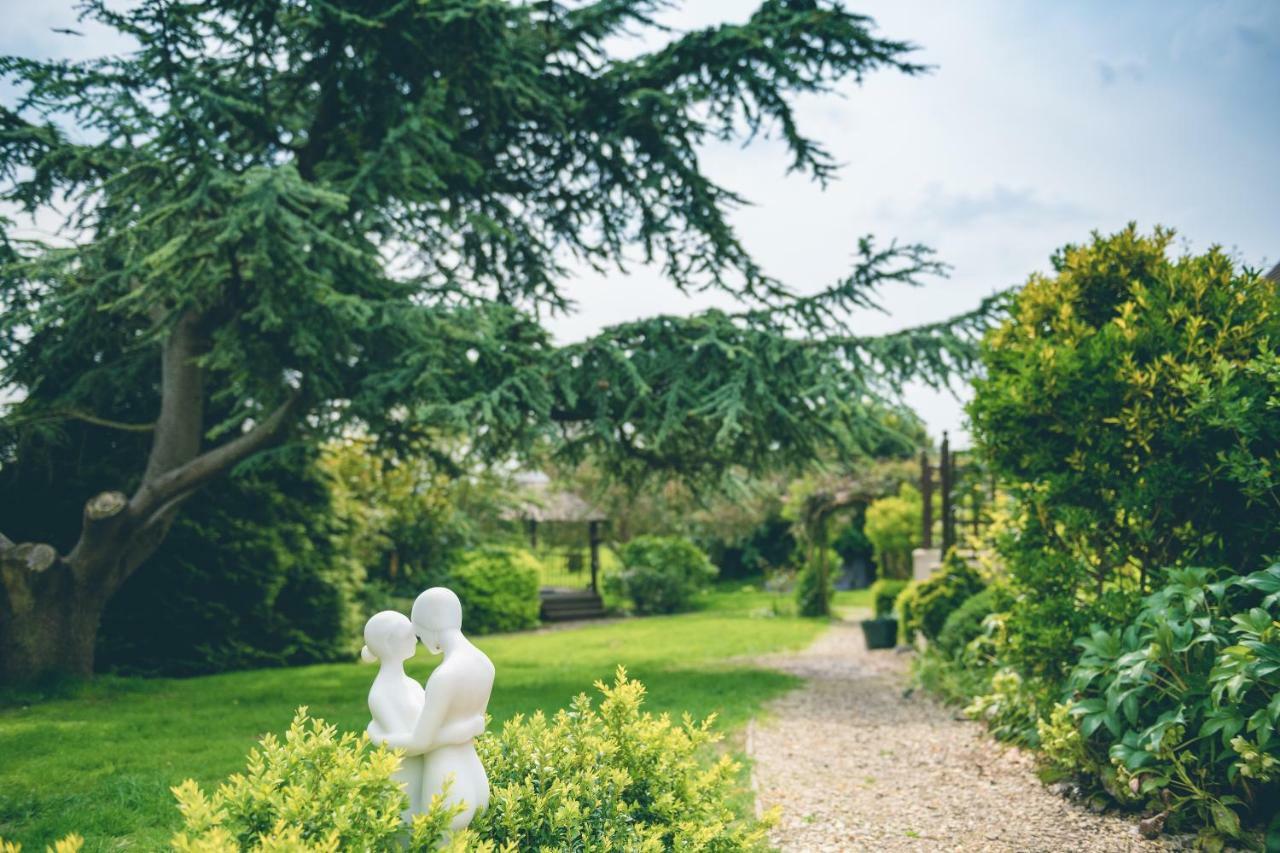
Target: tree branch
(180, 426)
(154, 493)
(105, 422)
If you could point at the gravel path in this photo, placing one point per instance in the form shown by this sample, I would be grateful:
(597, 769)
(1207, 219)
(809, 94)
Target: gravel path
(855, 765)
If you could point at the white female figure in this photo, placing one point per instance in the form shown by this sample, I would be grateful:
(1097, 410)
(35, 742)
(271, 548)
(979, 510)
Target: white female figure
(456, 697)
(395, 699)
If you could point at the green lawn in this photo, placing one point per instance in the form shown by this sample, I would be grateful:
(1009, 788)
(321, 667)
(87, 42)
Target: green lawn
(101, 763)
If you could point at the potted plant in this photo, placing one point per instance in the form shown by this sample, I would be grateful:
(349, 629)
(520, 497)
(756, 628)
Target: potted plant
(881, 632)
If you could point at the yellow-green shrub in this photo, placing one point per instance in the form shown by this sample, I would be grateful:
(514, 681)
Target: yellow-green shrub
(893, 525)
(315, 790)
(931, 601)
(612, 777)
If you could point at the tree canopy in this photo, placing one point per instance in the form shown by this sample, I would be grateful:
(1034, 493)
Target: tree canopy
(282, 218)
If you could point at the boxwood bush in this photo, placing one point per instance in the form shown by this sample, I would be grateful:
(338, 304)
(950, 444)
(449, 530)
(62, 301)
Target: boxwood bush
(593, 777)
(931, 601)
(498, 588)
(965, 623)
(612, 777)
(660, 574)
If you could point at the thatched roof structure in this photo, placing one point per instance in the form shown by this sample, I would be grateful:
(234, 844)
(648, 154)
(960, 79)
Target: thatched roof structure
(558, 506)
(539, 503)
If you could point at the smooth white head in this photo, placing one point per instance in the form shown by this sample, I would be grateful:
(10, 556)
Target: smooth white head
(388, 636)
(436, 613)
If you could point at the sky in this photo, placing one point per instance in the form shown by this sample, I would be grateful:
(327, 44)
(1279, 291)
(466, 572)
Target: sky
(1039, 123)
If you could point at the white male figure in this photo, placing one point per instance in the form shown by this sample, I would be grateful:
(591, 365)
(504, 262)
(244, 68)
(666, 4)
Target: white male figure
(456, 697)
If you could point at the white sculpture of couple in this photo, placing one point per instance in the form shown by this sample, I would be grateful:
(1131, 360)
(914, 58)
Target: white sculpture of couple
(434, 726)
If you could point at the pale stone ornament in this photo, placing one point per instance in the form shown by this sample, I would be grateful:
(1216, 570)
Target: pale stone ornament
(435, 726)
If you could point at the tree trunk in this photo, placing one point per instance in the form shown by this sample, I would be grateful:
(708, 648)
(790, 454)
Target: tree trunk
(48, 617)
(51, 604)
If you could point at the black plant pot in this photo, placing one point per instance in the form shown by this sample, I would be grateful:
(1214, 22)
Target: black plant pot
(880, 633)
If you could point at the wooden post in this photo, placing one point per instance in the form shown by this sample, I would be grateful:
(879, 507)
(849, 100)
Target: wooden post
(926, 490)
(593, 534)
(947, 475)
(975, 502)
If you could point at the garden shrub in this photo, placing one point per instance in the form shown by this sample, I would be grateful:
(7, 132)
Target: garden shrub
(252, 574)
(893, 525)
(815, 584)
(1181, 707)
(661, 574)
(1127, 403)
(931, 601)
(592, 777)
(965, 623)
(314, 790)
(612, 777)
(498, 588)
(884, 594)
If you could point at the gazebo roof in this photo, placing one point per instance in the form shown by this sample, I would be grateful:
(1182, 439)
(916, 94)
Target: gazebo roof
(541, 504)
(561, 506)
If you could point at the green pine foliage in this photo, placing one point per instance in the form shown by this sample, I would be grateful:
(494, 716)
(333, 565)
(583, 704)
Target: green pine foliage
(354, 216)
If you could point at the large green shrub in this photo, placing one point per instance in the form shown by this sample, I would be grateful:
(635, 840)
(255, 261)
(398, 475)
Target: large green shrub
(1181, 708)
(893, 524)
(251, 575)
(315, 790)
(498, 588)
(1128, 405)
(660, 574)
(612, 777)
(966, 623)
(933, 600)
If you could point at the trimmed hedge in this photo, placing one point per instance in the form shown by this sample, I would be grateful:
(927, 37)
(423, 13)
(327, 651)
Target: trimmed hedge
(498, 588)
(660, 574)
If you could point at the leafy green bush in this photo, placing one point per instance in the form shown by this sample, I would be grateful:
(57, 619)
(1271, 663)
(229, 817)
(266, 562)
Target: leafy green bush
(1181, 708)
(932, 601)
(965, 623)
(612, 778)
(884, 593)
(893, 524)
(251, 575)
(661, 574)
(313, 791)
(1128, 404)
(815, 584)
(498, 588)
